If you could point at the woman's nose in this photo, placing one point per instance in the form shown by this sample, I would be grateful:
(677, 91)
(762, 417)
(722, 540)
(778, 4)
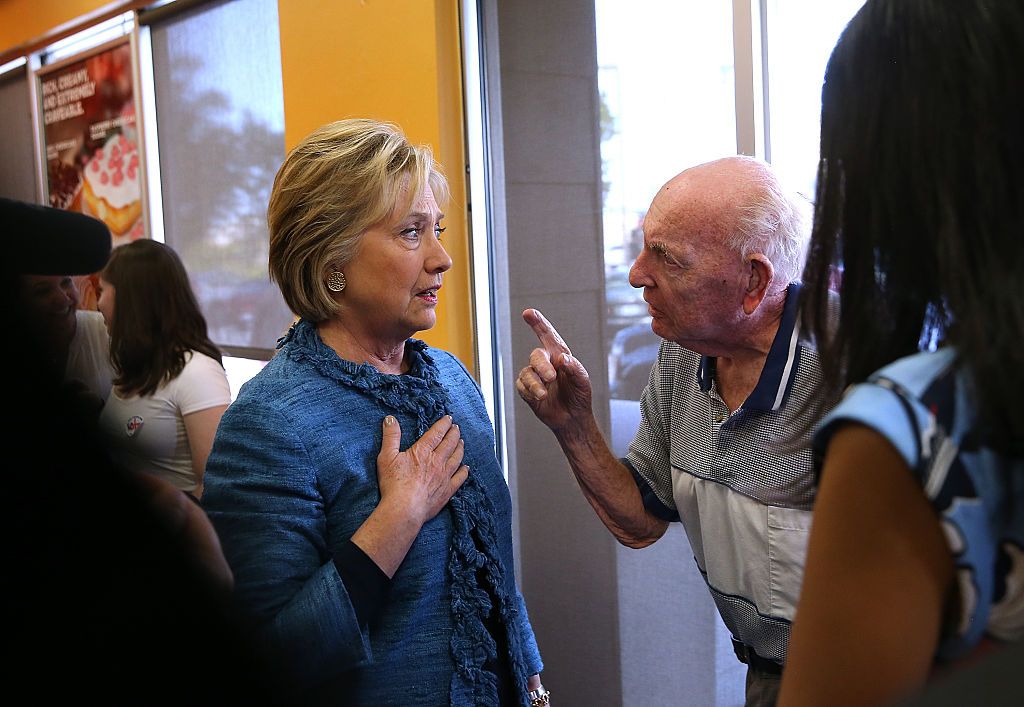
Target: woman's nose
(439, 260)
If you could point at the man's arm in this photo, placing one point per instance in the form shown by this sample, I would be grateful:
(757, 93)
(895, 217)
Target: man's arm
(556, 386)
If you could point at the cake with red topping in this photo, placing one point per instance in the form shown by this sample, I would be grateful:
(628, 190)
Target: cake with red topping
(111, 184)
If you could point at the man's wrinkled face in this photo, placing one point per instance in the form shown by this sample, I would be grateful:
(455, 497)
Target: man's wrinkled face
(693, 283)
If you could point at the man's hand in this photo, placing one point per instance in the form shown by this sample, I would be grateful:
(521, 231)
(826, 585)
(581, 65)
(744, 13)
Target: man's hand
(557, 388)
(555, 385)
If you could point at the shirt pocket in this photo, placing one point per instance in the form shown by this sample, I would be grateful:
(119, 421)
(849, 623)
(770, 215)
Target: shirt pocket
(788, 530)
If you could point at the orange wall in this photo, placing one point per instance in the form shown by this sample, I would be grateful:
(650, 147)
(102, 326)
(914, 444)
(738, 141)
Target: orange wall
(22, 20)
(395, 60)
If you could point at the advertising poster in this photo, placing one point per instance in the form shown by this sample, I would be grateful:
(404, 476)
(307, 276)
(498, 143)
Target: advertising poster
(91, 143)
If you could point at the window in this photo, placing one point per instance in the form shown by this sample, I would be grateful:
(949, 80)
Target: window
(666, 81)
(220, 130)
(801, 35)
(666, 78)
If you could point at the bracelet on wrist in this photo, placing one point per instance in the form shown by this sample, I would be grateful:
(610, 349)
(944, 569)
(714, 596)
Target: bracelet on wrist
(539, 697)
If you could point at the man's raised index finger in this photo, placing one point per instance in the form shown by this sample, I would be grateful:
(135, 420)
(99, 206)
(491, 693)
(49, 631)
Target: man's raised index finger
(548, 336)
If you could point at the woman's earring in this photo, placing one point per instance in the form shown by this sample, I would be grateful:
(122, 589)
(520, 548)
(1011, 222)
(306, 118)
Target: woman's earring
(336, 281)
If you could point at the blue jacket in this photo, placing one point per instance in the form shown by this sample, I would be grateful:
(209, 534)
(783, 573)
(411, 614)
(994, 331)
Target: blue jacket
(293, 475)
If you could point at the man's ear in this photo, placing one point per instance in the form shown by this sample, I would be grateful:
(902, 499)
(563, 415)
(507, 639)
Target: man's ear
(761, 274)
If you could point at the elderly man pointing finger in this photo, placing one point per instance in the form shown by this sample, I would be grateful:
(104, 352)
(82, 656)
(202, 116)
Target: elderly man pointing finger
(732, 385)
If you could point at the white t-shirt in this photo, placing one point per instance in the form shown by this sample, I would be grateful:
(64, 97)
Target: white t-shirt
(148, 433)
(89, 355)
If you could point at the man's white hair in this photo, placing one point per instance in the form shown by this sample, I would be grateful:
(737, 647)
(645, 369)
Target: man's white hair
(776, 223)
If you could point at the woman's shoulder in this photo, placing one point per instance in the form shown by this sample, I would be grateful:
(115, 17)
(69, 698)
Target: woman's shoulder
(90, 318)
(440, 357)
(900, 400)
(450, 369)
(203, 382)
(200, 360)
(916, 373)
(201, 368)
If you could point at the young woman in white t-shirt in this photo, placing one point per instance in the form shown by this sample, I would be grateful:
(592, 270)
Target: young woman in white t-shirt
(170, 388)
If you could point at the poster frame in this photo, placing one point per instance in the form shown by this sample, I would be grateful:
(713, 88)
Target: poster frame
(40, 72)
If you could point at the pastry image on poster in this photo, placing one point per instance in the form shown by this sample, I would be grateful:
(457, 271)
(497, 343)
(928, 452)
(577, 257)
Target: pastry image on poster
(91, 142)
(110, 186)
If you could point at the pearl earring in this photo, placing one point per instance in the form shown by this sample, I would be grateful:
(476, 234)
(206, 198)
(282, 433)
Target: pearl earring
(336, 281)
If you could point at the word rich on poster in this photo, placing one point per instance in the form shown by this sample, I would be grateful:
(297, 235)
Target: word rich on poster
(91, 143)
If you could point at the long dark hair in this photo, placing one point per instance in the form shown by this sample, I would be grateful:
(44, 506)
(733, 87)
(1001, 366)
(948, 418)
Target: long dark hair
(920, 198)
(157, 320)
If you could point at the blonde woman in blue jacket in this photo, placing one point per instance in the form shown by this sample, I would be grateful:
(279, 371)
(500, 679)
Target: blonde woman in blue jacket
(354, 483)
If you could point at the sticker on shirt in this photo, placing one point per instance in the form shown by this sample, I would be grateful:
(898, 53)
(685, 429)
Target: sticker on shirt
(134, 425)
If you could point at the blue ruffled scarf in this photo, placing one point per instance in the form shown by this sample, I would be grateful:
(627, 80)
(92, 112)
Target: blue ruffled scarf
(474, 548)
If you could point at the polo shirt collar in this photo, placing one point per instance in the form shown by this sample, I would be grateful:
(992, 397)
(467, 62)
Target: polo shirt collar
(780, 366)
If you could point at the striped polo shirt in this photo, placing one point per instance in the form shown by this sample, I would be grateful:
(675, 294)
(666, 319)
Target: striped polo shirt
(739, 483)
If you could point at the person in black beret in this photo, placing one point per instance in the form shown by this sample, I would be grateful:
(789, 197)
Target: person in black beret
(114, 584)
(73, 341)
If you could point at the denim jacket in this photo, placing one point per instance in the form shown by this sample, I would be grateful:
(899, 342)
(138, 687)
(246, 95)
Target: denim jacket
(293, 475)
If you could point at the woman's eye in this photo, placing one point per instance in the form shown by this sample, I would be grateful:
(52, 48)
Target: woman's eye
(411, 233)
(438, 231)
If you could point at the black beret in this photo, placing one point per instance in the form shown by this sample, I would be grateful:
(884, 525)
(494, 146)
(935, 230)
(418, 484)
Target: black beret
(42, 240)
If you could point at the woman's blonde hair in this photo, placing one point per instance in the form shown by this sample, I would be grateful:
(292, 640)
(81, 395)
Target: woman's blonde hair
(339, 181)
